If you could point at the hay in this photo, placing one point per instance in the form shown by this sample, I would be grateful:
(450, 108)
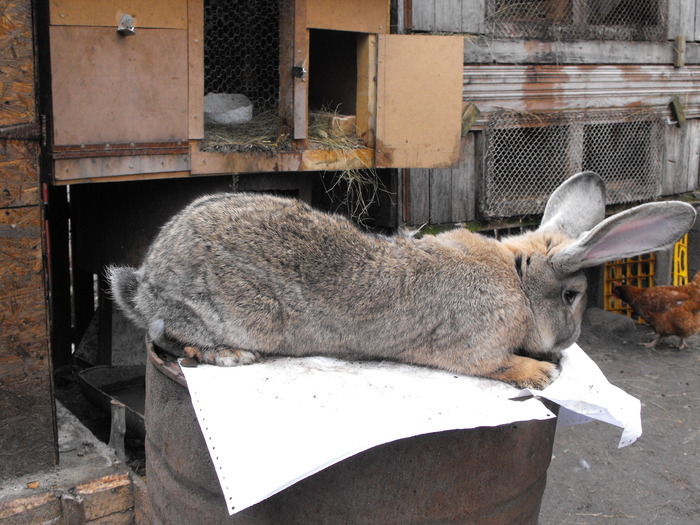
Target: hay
(360, 186)
(260, 134)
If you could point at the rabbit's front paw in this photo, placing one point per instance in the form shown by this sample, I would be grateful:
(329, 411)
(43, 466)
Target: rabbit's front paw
(227, 357)
(543, 375)
(525, 372)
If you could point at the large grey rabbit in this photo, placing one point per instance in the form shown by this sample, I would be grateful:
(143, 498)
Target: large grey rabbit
(236, 275)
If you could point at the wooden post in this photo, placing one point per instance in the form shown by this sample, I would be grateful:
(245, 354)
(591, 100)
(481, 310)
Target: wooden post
(118, 429)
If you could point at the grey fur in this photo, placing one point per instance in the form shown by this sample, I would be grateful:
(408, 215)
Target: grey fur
(268, 275)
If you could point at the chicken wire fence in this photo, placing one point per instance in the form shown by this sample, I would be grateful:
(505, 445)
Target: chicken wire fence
(578, 19)
(241, 50)
(242, 56)
(528, 155)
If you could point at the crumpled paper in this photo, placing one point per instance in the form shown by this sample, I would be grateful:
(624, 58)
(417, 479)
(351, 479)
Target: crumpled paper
(273, 423)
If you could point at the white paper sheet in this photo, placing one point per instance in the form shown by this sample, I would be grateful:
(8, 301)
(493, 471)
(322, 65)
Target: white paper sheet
(583, 393)
(271, 424)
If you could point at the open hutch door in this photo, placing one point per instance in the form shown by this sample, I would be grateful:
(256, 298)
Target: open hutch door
(419, 101)
(408, 91)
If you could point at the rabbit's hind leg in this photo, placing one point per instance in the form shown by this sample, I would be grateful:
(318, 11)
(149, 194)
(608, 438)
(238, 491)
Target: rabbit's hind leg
(229, 357)
(219, 357)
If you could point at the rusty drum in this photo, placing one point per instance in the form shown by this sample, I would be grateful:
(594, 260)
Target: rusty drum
(493, 475)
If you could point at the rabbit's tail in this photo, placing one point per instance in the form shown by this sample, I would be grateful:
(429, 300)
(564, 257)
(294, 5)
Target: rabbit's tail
(123, 284)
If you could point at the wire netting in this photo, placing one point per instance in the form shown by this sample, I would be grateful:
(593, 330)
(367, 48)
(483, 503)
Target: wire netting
(242, 45)
(241, 50)
(565, 20)
(528, 155)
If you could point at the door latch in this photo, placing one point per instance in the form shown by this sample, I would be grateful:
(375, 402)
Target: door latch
(299, 72)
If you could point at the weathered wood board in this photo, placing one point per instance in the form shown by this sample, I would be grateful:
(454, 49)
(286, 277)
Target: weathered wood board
(577, 87)
(449, 16)
(681, 159)
(105, 500)
(67, 170)
(443, 195)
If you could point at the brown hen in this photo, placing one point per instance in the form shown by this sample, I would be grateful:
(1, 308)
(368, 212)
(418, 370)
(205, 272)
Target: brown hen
(670, 310)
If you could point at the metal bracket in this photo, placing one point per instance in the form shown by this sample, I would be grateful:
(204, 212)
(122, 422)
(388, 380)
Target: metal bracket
(678, 111)
(126, 26)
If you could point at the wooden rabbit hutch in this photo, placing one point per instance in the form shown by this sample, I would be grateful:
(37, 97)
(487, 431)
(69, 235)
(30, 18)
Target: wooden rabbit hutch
(142, 114)
(468, 111)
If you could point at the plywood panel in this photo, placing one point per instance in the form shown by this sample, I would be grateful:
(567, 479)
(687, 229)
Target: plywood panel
(17, 104)
(19, 177)
(362, 16)
(108, 88)
(26, 405)
(146, 13)
(419, 98)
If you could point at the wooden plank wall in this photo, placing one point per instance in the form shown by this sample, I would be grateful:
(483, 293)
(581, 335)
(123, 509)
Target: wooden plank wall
(27, 435)
(531, 75)
(438, 196)
(468, 17)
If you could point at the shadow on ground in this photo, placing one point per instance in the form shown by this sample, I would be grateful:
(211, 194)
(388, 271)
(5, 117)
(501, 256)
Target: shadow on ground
(657, 479)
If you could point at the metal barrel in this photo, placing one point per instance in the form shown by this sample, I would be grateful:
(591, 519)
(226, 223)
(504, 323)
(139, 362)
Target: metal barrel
(493, 475)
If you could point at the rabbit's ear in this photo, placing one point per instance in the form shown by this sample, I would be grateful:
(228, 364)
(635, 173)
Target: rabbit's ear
(649, 227)
(576, 206)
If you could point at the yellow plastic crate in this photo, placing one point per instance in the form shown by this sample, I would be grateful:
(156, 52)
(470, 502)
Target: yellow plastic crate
(680, 262)
(639, 271)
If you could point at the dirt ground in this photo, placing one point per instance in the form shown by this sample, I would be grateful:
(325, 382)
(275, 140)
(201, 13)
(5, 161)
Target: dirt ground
(655, 480)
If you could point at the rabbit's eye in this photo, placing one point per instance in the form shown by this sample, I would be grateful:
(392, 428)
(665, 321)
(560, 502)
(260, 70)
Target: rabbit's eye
(570, 296)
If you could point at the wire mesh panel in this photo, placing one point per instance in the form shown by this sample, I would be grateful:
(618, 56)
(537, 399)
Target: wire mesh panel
(242, 57)
(241, 50)
(578, 19)
(528, 155)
